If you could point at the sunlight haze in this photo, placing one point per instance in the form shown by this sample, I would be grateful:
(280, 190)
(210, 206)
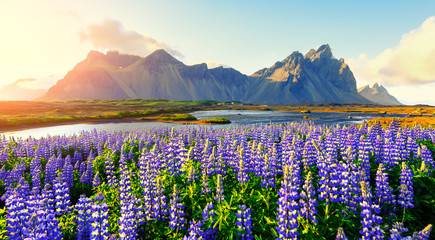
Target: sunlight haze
(389, 42)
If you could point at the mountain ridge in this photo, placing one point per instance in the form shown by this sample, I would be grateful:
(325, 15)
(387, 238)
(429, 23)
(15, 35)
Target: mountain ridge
(316, 77)
(378, 94)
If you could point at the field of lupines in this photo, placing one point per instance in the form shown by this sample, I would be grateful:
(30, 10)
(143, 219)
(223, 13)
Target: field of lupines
(291, 181)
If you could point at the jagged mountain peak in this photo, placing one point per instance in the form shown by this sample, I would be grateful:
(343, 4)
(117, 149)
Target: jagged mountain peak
(94, 55)
(294, 56)
(161, 56)
(325, 49)
(323, 52)
(378, 89)
(364, 87)
(112, 58)
(378, 94)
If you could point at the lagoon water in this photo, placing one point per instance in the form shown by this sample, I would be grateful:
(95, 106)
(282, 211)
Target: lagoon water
(237, 117)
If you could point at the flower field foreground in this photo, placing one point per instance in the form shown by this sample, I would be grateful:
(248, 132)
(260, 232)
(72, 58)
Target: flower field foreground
(291, 181)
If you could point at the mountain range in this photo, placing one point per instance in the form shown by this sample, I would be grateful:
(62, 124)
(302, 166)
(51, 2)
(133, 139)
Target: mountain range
(378, 94)
(316, 77)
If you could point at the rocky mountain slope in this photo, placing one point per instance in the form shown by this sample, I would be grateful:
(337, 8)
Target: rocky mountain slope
(378, 94)
(118, 76)
(316, 77)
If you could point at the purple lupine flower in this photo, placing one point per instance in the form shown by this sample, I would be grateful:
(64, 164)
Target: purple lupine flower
(62, 198)
(100, 151)
(340, 234)
(42, 223)
(394, 128)
(364, 156)
(176, 213)
(89, 173)
(147, 183)
(131, 153)
(15, 219)
(205, 188)
(276, 159)
(96, 181)
(394, 153)
(127, 221)
(423, 234)
(405, 198)
(350, 185)
(309, 154)
(244, 222)
(208, 214)
(3, 173)
(287, 207)
(378, 149)
(83, 218)
(412, 147)
(35, 163)
(222, 163)
(369, 211)
(256, 163)
(330, 148)
(267, 179)
(210, 163)
(159, 202)
(401, 144)
(112, 181)
(24, 187)
(396, 231)
(50, 171)
(383, 190)
(99, 219)
(307, 202)
(335, 182)
(192, 175)
(219, 189)
(324, 186)
(34, 229)
(77, 157)
(242, 175)
(68, 172)
(174, 154)
(47, 193)
(195, 231)
(426, 156)
(36, 181)
(53, 229)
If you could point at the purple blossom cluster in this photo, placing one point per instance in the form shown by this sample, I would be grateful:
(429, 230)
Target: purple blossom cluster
(311, 168)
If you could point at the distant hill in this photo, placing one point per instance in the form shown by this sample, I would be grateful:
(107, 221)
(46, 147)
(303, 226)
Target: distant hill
(378, 94)
(316, 77)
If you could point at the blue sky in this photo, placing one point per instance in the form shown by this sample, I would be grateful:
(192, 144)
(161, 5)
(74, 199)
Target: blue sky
(46, 38)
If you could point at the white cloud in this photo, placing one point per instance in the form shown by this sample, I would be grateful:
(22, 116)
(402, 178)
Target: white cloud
(411, 62)
(418, 94)
(111, 35)
(211, 64)
(28, 88)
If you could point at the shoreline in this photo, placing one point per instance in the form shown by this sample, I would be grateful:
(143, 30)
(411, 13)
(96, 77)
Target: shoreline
(72, 122)
(382, 111)
(145, 118)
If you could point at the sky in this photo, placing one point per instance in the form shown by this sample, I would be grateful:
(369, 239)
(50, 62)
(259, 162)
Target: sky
(390, 42)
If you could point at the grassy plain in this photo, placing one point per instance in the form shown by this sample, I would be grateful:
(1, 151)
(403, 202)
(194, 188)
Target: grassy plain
(27, 114)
